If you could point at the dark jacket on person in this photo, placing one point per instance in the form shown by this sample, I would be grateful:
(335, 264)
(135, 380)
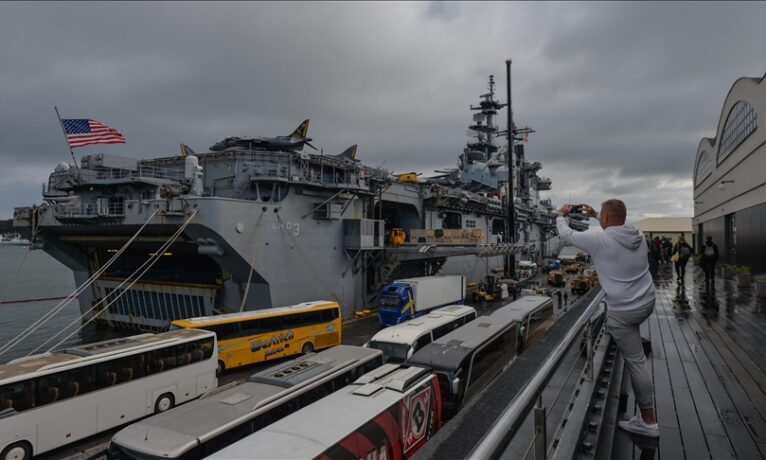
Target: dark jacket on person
(677, 249)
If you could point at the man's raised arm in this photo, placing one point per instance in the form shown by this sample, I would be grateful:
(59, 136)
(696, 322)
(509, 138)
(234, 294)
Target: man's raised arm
(586, 241)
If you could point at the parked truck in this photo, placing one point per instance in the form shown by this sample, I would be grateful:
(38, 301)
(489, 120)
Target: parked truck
(409, 298)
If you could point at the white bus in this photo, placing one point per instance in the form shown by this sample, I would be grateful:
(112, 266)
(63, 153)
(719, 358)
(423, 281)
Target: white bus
(234, 411)
(467, 359)
(389, 413)
(399, 342)
(534, 315)
(53, 399)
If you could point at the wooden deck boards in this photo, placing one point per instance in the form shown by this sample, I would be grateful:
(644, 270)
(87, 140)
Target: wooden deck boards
(709, 370)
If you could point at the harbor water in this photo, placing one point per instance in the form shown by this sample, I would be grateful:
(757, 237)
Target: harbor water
(39, 276)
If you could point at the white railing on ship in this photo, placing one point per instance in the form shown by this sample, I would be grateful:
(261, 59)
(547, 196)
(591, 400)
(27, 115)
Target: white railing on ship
(497, 439)
(110, 210)
(112, 173)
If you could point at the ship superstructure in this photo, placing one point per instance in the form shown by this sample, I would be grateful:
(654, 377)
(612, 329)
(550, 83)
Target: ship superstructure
(264, 223)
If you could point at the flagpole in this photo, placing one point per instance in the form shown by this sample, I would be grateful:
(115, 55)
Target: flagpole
(65, 136)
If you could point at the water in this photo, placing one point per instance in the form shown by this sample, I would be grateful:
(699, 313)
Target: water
(40, 276)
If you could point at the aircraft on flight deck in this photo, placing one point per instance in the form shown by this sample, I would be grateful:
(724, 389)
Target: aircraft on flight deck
(292, 142)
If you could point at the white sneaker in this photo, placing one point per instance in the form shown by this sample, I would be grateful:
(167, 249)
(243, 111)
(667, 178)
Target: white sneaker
(636, 425)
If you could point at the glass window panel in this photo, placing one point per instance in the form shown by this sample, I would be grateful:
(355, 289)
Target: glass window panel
(19, 396)
(741, 122)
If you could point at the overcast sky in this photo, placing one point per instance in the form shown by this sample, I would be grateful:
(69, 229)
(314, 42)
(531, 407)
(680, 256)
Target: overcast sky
(619, 94)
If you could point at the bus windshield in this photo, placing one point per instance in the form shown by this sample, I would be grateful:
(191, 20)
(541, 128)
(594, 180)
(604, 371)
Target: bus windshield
(390, 300)
(392, 352)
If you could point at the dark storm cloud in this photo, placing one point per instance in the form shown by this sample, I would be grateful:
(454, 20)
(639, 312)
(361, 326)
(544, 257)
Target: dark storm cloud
(620, 94)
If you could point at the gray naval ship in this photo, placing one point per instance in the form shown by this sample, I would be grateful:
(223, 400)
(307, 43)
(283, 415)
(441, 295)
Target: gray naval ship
(261, 222)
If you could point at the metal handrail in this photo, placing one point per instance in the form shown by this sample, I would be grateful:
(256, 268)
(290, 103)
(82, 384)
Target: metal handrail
(500, 435)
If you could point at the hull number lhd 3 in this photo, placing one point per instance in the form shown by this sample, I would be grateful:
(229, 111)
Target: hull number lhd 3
(294, 227)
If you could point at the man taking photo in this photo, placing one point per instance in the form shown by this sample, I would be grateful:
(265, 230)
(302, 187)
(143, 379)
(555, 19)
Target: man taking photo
(619, 254)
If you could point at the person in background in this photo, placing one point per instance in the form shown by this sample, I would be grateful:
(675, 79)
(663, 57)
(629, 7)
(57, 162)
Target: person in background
(708, 261)
(651, 256)
(657, 249)
(619, 254)
(684, 251)
(667, 248)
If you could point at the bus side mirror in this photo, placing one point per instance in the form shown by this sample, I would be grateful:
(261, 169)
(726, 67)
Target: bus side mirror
(410, 353)
(455, 385)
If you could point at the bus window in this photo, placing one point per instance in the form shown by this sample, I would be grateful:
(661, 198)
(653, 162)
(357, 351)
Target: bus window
(81, 380)
(64, 385)
(225, 331)
(443, 330)
(449, 327)
(540, 316)
(468, 318)
(422, 341)
(252, 327)
(207, 348)
(370, 366)
(47, 390)
(342, 380)
(19, 396)
(289, 321)
(489, 357)
(329, 315)
(132, 367)
(162, 360)
(200, 351)
(538, 321)
(444, 385)
(312, 317)
(105, 375)
(271, 324)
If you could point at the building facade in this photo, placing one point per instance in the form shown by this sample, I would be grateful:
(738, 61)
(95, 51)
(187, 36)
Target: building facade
(668, 227)
(730, 178)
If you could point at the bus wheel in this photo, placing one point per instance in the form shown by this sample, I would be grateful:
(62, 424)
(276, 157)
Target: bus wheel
(219, 370)
(308, 347)
(17, 451)
(164, 403)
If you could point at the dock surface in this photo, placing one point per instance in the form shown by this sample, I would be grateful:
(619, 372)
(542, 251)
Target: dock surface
(708, 356)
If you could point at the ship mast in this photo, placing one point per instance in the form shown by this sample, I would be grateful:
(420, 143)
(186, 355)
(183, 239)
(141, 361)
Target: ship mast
(484, 127)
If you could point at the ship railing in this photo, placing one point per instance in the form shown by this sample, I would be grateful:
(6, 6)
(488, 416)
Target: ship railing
(529, 399)
(101, 173)
(280, 168)
(113, 209)
(269, 170)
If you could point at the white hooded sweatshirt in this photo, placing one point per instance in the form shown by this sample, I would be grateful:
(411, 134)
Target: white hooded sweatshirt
(620, 257)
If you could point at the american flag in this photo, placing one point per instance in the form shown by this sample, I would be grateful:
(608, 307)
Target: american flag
(82, 132)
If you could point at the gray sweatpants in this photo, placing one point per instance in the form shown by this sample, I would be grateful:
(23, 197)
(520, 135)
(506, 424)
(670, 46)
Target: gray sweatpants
(623, 325)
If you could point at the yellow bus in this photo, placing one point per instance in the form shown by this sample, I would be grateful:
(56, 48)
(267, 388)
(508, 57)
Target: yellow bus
(260, 335)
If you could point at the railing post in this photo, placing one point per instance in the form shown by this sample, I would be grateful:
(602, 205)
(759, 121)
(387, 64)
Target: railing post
(540, 441)
(589, 346)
